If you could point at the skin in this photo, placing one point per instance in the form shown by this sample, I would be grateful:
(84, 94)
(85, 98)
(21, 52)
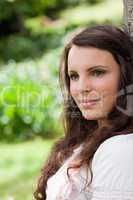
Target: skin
(94, 74)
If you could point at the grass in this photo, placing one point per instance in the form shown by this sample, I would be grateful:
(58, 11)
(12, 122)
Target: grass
(20, 166)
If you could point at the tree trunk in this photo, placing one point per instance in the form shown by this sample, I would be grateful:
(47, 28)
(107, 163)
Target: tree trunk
(128, 17)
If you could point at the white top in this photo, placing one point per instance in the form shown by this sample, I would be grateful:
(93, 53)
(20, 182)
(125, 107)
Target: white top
(112, 168)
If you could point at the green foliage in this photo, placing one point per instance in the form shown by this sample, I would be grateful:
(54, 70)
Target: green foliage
(26, 8)
(43, 38)
(29, 93)
(19, 47)
(34, 8)
(94, 1)
(97, 14)
(13, 13)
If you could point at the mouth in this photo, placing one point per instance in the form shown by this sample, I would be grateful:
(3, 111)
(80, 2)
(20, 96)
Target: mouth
(88, 103)
(89, 100)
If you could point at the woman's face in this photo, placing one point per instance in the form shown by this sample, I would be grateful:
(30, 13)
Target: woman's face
(94, 81)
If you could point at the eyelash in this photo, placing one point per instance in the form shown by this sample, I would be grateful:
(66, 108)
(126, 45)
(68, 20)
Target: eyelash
(100, 73)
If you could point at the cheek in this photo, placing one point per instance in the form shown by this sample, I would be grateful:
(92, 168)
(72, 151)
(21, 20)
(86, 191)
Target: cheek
(108, 87)
(73, 90)
(109, 93)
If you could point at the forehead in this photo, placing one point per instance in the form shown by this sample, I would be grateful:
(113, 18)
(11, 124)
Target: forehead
(89, 56)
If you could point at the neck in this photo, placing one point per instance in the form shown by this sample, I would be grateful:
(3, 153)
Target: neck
(102, 123)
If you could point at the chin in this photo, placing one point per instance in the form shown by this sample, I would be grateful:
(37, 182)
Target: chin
(91, 116)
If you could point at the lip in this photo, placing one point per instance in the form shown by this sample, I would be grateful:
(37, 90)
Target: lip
(88, 103)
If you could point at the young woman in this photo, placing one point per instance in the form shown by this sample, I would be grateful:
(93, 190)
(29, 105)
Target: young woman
(94, 159)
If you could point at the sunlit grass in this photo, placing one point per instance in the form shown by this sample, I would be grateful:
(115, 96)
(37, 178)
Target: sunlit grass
(20, 166)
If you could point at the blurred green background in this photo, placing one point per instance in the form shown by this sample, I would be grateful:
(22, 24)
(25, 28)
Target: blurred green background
(32, 36)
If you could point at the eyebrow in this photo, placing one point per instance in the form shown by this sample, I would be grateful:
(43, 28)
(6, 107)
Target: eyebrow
(91, 68)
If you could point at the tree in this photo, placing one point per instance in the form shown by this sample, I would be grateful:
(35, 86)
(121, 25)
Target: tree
(128, 17)
(13, 12)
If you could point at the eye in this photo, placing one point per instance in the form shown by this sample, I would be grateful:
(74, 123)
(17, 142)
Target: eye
(73, 76)
(98, 72)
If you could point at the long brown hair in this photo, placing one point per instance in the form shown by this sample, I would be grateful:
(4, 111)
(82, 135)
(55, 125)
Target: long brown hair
(77, 129)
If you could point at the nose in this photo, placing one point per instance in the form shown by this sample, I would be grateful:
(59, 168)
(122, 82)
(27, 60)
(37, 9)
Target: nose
(85, 85)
